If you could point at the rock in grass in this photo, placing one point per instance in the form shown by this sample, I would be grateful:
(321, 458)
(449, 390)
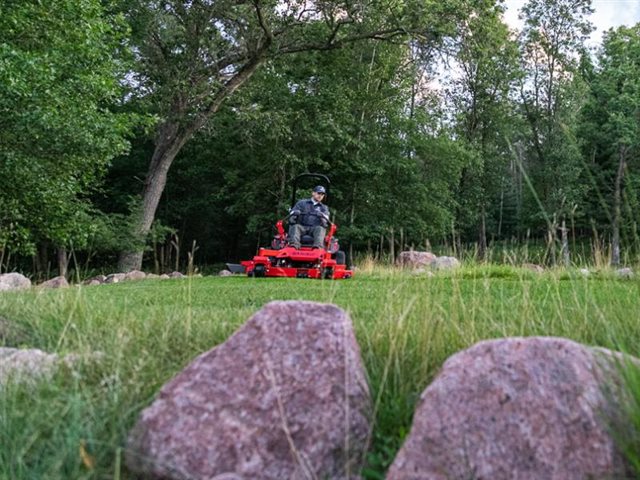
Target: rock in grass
(284, 398)
(525, 408)
(14, 281)
(225, 273)
(55, 282)
(96, 280)
(445, 263)
(115, 277)
(177, 275)
(624, 273)
(135, 275)
(533, 267)
(413, 259)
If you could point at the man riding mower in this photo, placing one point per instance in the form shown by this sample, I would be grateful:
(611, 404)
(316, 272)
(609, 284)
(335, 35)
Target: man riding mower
(310, 250)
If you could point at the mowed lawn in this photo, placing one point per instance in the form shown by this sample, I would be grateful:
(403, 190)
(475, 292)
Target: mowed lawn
(75, 426)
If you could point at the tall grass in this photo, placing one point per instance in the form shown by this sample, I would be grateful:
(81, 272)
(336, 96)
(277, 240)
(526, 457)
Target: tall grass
(75, 426)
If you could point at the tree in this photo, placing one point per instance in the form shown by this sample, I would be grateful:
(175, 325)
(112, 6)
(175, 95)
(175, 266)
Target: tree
(59, 69)
(551, 94)
(486, 60)
(193, 56)
(612, 118)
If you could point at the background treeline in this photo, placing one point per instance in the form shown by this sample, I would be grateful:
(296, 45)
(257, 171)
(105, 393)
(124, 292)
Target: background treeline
(175, 128)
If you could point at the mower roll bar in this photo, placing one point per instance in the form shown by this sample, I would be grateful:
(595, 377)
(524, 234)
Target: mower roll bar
(302, 176)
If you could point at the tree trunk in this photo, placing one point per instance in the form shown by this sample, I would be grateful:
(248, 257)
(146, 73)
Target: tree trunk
(169, 141)
(617, 208)
(63, 261)
(168, 144)
(566, 257)
(482, 237)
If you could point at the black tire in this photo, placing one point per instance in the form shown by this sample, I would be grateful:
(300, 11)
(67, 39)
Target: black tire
(259, 271)
(341, 257)
(327, 274)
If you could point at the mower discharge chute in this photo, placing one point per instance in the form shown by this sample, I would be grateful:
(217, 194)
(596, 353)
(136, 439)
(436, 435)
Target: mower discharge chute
(283, 260)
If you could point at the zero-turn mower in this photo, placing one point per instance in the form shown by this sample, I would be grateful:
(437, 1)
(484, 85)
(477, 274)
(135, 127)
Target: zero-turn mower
(283, 260)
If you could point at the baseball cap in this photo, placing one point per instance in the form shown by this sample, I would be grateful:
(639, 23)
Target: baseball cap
(319, 189)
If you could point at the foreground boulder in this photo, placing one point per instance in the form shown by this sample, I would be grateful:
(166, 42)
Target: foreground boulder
(284, 398)
(14, 281)
(412, 259)
(525, 408)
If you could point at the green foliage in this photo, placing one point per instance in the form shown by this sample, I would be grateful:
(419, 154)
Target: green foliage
(59, 74)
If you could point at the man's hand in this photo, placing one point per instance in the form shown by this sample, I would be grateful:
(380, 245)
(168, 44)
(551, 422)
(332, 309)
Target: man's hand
(295, 212)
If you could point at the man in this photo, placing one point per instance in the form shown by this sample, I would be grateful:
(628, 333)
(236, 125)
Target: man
(309, 216)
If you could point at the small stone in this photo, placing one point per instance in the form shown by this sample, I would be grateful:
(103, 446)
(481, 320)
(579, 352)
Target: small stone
(13, 281)
(533, 267)
(56, 282)
(413, 259)
(177, 275)
(225, 273)
(625, 273)
(115, 278)
(92, 281)
(164, 276)
(135, 275)
(446, 263)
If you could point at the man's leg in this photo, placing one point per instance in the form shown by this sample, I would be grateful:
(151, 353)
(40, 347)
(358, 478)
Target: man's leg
(318, 236)
(295, 234)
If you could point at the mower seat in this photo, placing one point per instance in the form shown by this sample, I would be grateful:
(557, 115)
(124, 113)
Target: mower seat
(306, 241)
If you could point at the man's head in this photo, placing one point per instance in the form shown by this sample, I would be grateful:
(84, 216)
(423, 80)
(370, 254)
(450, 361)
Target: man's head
(318, 193)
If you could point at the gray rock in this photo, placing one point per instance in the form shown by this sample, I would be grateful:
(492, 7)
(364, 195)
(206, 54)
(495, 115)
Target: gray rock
(115, 277)
(26, 365)
(164, 276)
(135, 275)
(585, 272)
(285, 397)
(152, 276)
(225, 273)
(525, 408)
(31, 365)
(533, 267)
(97, 280)
(13, 281)
(413, 259)
(177, 275)
(625, 273)
(55, 282)
(445, 263)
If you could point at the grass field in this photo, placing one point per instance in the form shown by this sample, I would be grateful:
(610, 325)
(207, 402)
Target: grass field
(76, 425)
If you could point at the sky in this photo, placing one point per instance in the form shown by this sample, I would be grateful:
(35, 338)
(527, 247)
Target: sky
(608, 13)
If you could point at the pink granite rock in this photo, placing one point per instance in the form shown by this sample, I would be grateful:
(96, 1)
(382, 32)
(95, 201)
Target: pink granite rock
(515, 408)
(115, 277)
(96, 280)
(285, 397)
(13, 281)
(412, 259)
(135, 275)
(55, 282)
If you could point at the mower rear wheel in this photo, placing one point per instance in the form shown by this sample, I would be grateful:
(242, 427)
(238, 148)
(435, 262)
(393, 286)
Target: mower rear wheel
(259, 271)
